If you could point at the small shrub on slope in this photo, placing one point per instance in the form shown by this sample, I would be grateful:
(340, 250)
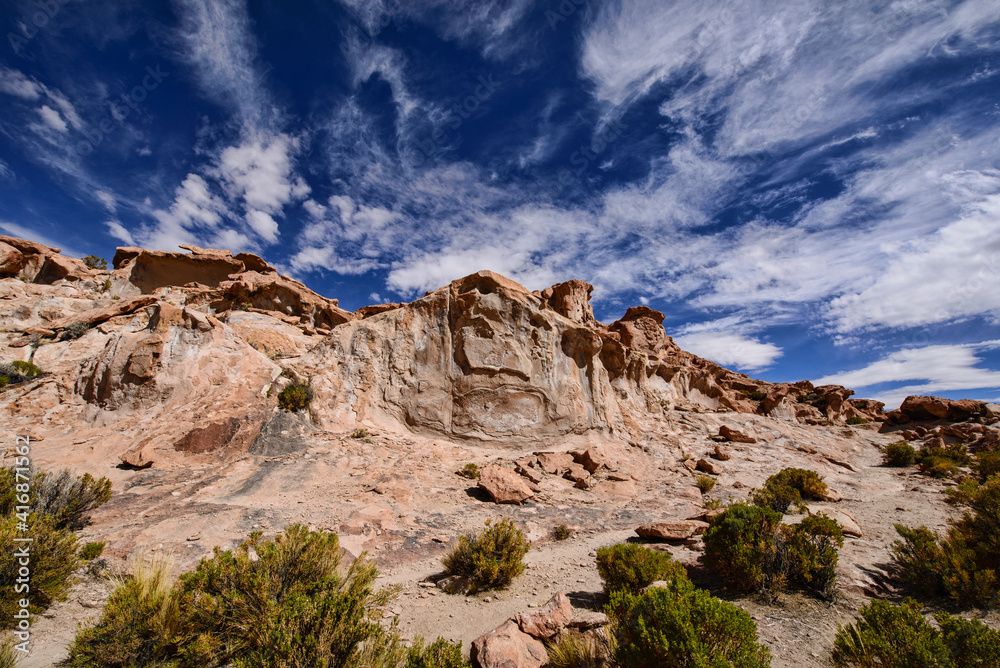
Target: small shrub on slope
(680, 626)
(295, 397)
(898, 636)
(490, 559)
(899, 454)
(963, 564)
(631, 567)
(439, 654)
(790, 487)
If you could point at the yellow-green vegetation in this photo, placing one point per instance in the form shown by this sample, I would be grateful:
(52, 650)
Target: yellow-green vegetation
(439, 654)
(94, 262)
(679, 625)
(631, 567)
(755, 395)
(790, 487)
(105, 285)
(899, 454)
(562, 532)
(705, 483)
(282, 603)
(987, 465)
(942, 461)
(52, 506)
(470, 471)
(18, 371)
(856, 420)
(753, 552)
(295, 397)
(490, 559)
(964, 563)
(899, 636)
(92, 551)
(574, 650)
(8, 655)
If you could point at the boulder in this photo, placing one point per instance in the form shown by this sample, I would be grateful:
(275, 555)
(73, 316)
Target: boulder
(503, 485)
(708, 466)
(11, 260)
(576, 473)
(548, 620)
(675, 530)
(735, 435)
(555, 463)
(507, 646)
(848, 523)
(934, 408)
(722, 454)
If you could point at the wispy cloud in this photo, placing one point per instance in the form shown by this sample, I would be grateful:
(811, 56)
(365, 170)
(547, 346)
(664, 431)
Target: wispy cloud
(728, 349)
(943, 368)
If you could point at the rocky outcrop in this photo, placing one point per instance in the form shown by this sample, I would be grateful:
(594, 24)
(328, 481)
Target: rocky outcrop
(921, 408)
(507, 646)
(503, 485)
(672, 531)
(38, 263)
(549, 620)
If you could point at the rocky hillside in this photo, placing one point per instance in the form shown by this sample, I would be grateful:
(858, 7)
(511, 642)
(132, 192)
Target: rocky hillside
(164, 374)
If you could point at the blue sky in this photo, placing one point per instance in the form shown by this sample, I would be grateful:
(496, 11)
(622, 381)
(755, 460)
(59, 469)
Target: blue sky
(807, 189)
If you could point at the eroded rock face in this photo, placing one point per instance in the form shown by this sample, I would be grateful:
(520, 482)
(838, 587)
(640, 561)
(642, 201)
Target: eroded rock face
(920, 408)
(38, 263)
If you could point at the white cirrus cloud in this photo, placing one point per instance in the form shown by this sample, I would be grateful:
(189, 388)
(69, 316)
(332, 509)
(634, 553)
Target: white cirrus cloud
(942, 368)
(730, 349)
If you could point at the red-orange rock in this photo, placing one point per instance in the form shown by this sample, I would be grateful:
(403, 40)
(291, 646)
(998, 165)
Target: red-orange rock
(503, 485)
(735, 435)
(548, 620)
(507, 646)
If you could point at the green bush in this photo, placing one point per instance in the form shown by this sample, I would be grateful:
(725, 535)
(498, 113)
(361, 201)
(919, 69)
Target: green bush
(439, 654)
(9, 656)
(562, 532)
(680, 626)
(965, 562)
(13, 373)
(987, 465)
(360, 433)
(899, 454)
(856, 420)
(812, 554)
(490, 559)
(898, 636)
(631, 567)
(942, 462)
(53, 562)
(470, 471)
(741, 547)
(705, 483)
(755, 395)
(295, 397)
(575, 650)
(69, 500)
(27, 369)
(790, 487)
(94, 262)
(92, 551)
(753, 552)
(284, 603)
(105, 285)
(74, 330)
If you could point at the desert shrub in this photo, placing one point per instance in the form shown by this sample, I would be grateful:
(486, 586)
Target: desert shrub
(812, 553)
(964, 563)
(105, 285)
(755, 395)
(562, 532)
(439, 654)
(69, 500)
(705, 483)
(790, 487)
(899, 636)
(284, 603)
(490, 559)
(295, 397)
(680, 626)
(74, 330)
(713, 504)
(53, 561)
(741, 547)
(27, 369)
(753, 552)
(575, 650)
(631, 567)
(470, 471)
(94, 262)
(360, 433)
(133, 629)
(987, 465)
(856, 420)
(92, 551)
(942, 462)
(8, 655)
(899, 454)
